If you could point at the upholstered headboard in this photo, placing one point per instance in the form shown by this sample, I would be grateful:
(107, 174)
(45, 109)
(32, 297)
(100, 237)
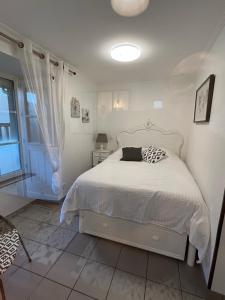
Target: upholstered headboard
(149, 134)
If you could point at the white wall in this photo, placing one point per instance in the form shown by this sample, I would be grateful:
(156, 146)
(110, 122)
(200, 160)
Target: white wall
(176, 113)
(79, 141)
(206, 151)
(11, 203)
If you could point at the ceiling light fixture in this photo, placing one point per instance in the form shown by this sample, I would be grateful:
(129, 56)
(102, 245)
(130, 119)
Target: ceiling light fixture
(129, 8)
(125, 52)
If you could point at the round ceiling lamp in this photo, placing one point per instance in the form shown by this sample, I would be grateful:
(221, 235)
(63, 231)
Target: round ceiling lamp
(129, 8)
(125, 52)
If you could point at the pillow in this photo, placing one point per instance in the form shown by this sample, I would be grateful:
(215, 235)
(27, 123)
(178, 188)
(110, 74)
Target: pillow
(153, 155)
(131, 154)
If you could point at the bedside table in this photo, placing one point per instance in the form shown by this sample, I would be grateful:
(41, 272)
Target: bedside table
(99, 155)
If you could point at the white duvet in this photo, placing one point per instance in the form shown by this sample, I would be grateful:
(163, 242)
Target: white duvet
(164, 194)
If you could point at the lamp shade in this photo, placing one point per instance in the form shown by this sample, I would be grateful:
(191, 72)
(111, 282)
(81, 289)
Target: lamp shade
(129, 8)
(102, 138)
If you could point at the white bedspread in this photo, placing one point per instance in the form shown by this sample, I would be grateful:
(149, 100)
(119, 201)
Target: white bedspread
(164, 194)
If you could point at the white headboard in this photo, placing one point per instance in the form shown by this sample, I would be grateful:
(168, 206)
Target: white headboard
(150, 134)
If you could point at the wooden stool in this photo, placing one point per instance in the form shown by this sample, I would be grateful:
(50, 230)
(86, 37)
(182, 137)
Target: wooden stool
(10, 240)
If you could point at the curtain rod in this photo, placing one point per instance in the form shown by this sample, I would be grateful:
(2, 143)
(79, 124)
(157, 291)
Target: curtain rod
(39, 54)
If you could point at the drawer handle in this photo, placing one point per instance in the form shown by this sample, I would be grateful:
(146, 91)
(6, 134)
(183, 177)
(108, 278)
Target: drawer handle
(155, 238)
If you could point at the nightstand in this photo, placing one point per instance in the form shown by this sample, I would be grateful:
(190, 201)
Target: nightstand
(99, 155)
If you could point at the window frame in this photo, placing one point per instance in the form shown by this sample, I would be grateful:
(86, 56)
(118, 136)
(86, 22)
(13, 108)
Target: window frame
(19, 172)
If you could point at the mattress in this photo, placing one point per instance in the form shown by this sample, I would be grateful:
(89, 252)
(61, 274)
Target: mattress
(163, 194)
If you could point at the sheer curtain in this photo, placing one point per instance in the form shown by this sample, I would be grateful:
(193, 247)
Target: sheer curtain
(45, 85)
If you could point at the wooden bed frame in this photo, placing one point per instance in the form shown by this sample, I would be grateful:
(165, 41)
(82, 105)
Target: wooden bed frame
(149, 237)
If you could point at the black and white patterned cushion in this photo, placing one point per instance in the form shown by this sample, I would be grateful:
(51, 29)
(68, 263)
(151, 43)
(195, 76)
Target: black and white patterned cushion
(9, 243)
(153, 154)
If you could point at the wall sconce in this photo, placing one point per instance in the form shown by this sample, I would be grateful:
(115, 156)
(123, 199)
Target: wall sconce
(117, 105)
(120, 100)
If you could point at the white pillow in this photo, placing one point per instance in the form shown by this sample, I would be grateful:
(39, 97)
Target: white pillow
(153, 154)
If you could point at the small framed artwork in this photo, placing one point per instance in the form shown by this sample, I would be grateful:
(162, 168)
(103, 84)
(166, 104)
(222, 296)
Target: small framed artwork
(85, 115)
(75, 108)
(203, 100)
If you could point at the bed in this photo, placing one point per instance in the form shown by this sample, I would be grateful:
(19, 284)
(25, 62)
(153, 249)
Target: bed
(156, 207)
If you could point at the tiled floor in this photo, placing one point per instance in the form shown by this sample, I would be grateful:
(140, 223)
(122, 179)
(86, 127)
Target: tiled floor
(74, 266)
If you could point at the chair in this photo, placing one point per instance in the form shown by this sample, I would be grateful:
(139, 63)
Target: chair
(10, 240)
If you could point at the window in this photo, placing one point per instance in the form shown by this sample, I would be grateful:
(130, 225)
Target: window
(33, 130)
(10, 154)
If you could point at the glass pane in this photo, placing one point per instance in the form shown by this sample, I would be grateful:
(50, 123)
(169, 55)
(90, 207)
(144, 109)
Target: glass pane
(7, 102)
(30, 104)
(9, 131)
(4, 107)
(9, 153)
(8, 115)
(33, 130)
(10, 159)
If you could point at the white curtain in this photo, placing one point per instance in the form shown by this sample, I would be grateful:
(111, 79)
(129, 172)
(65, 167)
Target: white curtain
(45, 86)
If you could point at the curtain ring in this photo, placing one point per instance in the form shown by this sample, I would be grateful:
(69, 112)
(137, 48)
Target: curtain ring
(20, 45)
(42, 56)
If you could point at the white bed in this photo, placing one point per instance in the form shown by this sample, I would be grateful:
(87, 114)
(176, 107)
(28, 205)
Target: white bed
(150, 206)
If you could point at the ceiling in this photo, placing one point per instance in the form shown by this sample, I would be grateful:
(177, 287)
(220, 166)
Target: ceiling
(83, 31)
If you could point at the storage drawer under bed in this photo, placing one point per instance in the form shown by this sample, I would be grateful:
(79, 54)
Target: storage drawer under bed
(145, 236)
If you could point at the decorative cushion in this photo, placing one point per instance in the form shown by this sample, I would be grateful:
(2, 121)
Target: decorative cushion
(9, 243)
(153, 155)
(132, 154)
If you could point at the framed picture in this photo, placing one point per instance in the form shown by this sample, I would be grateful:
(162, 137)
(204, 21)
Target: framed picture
(203, 100)
(75, 108)
(85, 115)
